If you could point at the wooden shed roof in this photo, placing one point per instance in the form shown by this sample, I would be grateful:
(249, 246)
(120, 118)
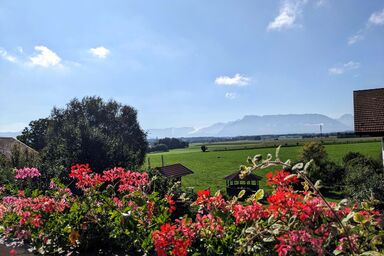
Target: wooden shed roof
(236, 176)
(175, 170)
(369, 111)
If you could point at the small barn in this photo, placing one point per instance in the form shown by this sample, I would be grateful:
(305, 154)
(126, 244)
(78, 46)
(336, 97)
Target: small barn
(234, 184)
(369, 113)
(174, 171)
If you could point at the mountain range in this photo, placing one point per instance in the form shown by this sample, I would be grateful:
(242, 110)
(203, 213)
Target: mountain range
(254, 125)
(263, 125)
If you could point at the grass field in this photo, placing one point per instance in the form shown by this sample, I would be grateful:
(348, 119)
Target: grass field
(211, 167)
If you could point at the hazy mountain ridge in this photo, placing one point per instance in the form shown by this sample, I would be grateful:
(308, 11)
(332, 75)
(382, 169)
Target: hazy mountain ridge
(10, 134)
(262, 125)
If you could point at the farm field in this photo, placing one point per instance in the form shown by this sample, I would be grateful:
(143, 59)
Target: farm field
(211, 167)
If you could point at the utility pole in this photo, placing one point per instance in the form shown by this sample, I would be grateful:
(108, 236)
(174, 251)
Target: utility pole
(321, 130)
(382, 149)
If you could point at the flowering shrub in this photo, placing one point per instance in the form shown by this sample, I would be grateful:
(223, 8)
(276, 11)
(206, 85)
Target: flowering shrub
(117, 213)
(113, 212)
(27, 173)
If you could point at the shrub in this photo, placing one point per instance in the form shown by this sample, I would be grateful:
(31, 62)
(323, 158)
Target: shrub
(158, 148)
(366, 175)
(173, 143)
(350, 156)
(313, 150)
(330, 174)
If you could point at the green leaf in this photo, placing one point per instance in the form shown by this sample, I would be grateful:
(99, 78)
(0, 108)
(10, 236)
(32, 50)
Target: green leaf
(365, 206)
(359, 218)
(290, 176)
(318, 184)
(257, 158)
(348, 217)
(337, 252)
(259, 194)
(241, 194)
(307, 165)
(372, 253)
(243, 167)
(277, 152)
(297, 166)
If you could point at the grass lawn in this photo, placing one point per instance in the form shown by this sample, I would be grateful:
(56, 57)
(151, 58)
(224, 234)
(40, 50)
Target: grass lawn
(211, 167)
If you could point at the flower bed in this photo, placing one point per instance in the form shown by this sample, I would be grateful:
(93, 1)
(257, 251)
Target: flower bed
(116, 212)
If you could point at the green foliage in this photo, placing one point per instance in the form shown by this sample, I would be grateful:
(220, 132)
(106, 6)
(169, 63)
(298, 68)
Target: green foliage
(173, 143)
(204, 148)
(103, 134)
(35, 135)
(330, 174)
(158, 148)
(364, 179)
(350, 156)
(313, 150)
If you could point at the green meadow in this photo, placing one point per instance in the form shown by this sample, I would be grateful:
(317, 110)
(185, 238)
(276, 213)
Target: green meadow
(222, 159)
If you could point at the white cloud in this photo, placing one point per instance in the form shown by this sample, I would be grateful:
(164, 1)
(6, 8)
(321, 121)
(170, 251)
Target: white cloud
(341, 69)
(237, 80)
(290, 10)
(320, 3)
(6, 56)
(45, 58)
(356, 38)
(230, 95)
(100, 52)
(377, 18)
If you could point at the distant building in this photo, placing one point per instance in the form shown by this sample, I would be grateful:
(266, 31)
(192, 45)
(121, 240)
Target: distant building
(369, 113)
(7, 144)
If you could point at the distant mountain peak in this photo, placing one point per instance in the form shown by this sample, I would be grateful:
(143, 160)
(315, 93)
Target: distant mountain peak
(263, 125)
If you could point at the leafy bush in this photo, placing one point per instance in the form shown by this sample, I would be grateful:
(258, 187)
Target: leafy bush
(330, 174)
(366, 175)
(158, 148)
(315, 151)
(350, 156)
(173, 143)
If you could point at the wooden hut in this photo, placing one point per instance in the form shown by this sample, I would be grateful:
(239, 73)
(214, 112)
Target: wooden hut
(174, 171)
(369, 113)
(235, 184)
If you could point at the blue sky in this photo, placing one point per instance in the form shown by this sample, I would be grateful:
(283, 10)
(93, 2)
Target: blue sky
(189, 63)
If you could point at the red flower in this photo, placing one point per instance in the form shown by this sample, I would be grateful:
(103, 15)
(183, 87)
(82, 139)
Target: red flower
(171, 203)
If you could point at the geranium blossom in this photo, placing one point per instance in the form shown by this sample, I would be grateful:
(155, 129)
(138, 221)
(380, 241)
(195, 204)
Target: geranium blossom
(27, 173)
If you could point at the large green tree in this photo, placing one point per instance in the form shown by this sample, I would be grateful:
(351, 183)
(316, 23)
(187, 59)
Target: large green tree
(35, 135)
(103, 134)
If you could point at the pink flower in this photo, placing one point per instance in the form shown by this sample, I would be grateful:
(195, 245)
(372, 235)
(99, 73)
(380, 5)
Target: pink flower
(27, 173)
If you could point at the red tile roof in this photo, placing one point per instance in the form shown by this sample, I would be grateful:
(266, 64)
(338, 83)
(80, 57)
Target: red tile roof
(369, 111)
(175, 170)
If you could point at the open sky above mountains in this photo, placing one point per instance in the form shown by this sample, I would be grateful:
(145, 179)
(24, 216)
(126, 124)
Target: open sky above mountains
(189, 63)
